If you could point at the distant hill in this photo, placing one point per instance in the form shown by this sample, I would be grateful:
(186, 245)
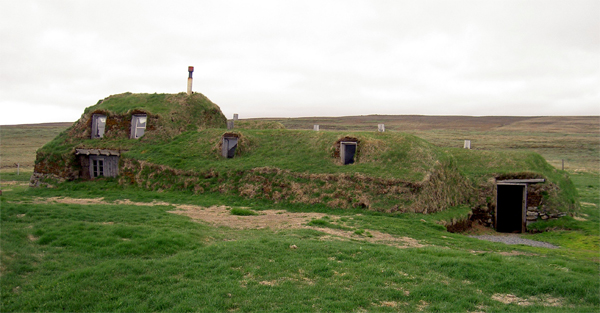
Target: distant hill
(560, 124)
(57, 124)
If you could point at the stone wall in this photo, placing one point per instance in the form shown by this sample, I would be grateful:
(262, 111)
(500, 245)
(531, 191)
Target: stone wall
(535, 214)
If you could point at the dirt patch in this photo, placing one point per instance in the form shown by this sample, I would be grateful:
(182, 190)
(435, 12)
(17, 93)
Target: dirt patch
(268, 283)
(581, 219)
(478, 229)
(91, 201)
(422, 305)
(14, 182)
(67, 200)
(271, 219)
(32, 237)
(280, 219)
(129, 202)
(509, 299)
(376, 237)
(545, 300)
(390, 304)
(220, 216)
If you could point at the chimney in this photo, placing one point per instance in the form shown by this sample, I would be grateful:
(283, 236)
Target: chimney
(189, 88)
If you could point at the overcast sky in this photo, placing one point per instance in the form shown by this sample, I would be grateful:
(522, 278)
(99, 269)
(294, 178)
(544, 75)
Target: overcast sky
(303, 58)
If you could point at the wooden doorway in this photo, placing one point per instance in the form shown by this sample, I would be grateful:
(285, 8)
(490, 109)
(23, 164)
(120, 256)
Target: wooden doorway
(511, 201)
(347, 152)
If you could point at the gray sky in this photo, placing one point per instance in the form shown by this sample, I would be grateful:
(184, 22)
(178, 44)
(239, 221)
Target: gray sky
(303, 58)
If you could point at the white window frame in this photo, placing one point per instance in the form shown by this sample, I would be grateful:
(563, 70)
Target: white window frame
(138, 131)
(97, 121)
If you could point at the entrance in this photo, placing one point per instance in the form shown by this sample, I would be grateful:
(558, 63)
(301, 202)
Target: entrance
(347, 152)
(228, 147)
(511, 200)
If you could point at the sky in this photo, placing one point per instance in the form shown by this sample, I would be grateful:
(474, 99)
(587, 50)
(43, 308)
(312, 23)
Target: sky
(303, 58)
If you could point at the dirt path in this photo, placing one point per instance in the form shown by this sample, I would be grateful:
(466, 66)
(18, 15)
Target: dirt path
(510, 239)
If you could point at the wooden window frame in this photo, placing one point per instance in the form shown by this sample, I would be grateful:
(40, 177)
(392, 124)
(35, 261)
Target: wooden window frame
(97, 167)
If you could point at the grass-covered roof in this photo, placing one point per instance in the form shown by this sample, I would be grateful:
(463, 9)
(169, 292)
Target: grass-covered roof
(183, 138)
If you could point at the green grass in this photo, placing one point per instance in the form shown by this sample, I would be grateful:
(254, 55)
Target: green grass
(382, 155)
(161, 104)
(582, 236)
(242, 212)
(168, 115)
(68, 257)
(287, 157)
(11, 175)
(568, 138)
(326, 222)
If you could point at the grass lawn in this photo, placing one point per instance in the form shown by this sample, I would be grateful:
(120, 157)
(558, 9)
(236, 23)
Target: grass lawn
(106, 257)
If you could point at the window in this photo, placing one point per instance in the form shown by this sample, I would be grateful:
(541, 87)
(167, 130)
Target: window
(97, 167)
(138, 125)
(98, 125)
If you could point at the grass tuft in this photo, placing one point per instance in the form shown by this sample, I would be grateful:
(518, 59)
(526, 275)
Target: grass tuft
(242, 212)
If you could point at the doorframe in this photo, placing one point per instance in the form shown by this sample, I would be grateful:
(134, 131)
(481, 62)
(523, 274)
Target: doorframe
(523, 205)
(343, 145)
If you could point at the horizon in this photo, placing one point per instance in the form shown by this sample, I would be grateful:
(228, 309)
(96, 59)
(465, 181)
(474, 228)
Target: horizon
(363, 115)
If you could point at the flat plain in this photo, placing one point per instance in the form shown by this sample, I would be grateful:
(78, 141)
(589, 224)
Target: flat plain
(98, 246)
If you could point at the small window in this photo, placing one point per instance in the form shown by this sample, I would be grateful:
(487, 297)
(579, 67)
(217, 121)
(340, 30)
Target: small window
(138, 125)
(98, 125)
(97, 167)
